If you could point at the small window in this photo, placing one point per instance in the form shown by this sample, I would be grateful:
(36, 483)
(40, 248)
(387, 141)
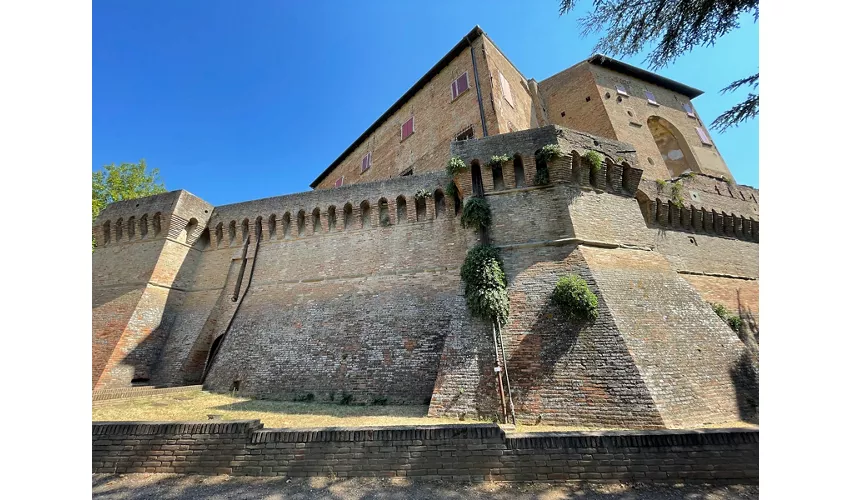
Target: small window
(339, 182)
(460, 85)
(703, 136)
(466, 134)
(650, 98)
(689, 110)
(366, 162)
(506, 89)
(407, 129)
(407, 172)
(622, 90)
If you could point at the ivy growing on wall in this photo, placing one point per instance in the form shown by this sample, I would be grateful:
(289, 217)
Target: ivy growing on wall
(451, 189)
(485, 287)
(476, 213)
(549, 152)
(575, 300)
(677, 198)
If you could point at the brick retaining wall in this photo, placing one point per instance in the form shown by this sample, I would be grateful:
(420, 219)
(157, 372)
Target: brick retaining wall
(138, 392)
(457, 452)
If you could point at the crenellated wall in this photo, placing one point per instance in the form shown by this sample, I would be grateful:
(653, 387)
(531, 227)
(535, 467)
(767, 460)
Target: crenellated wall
(355, 291)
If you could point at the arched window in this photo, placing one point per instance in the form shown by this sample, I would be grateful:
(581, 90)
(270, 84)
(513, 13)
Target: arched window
(477, 181)
(188, 234)
(143, 226)
(440, 203)
(219, 233)
(498, 179)
(347, 215)
(400, 210)
(301, 217)
(107, 232)
(287, 223)
(157, 223)
(365, 214)
(672, 145)
(317, 221)
(204, 240)
(331, 218)
(245, 225)
(119, 229)
(272, 226)
(131, 228)
(519, 172)
(258, 228)
(420, 209)
(231, 232)
(384, 212)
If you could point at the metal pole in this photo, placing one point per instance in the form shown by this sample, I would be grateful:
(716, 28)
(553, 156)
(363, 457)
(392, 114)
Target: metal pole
(507, 377)
(498, 369)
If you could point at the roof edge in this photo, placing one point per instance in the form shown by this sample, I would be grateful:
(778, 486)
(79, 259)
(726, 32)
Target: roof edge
(442, 63)
(642, 74)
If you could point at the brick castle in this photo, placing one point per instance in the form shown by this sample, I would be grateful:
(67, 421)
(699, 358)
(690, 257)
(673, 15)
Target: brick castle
(353, 289)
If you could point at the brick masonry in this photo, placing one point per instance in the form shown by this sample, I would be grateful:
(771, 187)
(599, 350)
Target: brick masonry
(448, 452)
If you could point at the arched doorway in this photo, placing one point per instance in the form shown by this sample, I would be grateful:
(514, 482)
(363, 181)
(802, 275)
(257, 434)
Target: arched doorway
(672, 145)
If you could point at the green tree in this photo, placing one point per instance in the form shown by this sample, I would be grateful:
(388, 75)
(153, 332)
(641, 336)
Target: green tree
(671, 28)
(122, 182)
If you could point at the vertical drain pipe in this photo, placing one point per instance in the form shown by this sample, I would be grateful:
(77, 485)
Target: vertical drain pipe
(507, 377)
(498, 370)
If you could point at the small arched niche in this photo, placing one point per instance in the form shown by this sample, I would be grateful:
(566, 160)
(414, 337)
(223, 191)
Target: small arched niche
(401, 210)
(317, 221)
(384, 212)
(347, 215)
(300, 222)
(519, 171)
(365, 214)
(440, 203)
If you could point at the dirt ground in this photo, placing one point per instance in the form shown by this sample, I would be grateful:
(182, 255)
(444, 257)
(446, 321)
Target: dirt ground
(170, 486)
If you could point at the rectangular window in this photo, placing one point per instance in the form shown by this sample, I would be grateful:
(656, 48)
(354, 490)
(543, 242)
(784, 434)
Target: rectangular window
(366, 162)
(689, 110)
(703, 136)
(622, 90)
(506, 89)
(460, 85)
(338, 182)
(466, 134)
(650, 98)
(407, 129)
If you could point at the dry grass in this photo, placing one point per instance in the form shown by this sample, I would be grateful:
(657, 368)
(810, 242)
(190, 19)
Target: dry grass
(196, 406)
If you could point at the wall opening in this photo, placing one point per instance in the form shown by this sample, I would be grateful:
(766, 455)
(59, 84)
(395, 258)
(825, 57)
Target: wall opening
(575, 165)
(219, 233)
(300, 222)
(519, 172)
(347, 214)
(420, 209)
(458, 202)
(204, 239)
(143, 226)
(384, 212)
(672, 145)
(245, 225)
(477, 181)
(157, 224)
(498, 178)
(231, 232)
(188, 234)
(287, 222)
(272, 226)
(439, 203)
(258, 228)
(317, 220)
(626, 173)
(119, 229)
(400, 210)
(365, 214)
(107, 233)
(131, 228)
(331, 218)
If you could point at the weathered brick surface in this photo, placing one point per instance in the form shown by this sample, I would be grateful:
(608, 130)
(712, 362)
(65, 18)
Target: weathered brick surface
(462, 452)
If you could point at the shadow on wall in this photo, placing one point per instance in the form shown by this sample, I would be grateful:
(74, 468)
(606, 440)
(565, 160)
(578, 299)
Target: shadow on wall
(745, 373)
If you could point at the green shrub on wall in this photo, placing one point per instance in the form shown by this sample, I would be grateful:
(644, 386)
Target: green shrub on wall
(735, 322)
(451, 189)
(595, 160)
(455, 166)
(677, 198)
(485, 284)
(498, 160)
(575, 300)
(476, 213)
(541, 178)
(549, 152)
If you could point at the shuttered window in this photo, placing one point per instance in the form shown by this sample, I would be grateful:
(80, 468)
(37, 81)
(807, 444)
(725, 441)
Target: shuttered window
(366, 162)
(689, 110)
(703, 136)
(622, 90)
(460, 85)
(407, 129)
(650, 98)
(506, 89)
(338, 182)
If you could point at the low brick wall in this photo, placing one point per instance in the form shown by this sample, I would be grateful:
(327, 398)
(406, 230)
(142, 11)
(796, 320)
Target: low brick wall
(457, 452)
(138, 392)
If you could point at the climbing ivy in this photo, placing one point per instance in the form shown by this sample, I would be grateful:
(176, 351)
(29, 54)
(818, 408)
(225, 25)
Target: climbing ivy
(575, 299)
(549, 152)
(677, 198)
(476, 213)
(455, 166)
(595, 160)
(485, 284)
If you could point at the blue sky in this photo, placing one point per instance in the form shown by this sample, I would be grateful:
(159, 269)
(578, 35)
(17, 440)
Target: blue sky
(235, 101)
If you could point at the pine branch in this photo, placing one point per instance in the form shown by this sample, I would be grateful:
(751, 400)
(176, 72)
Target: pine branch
(738, 114)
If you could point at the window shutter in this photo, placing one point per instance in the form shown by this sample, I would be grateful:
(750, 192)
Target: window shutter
(462, 84)
(454, 90)
(622, 90)
(407, 129)
(703, 136)
(506, 89)
(689, 110)
(650, 97)
(338, 182)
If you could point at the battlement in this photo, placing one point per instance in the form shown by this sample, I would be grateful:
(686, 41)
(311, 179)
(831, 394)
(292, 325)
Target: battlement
(616, 174)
